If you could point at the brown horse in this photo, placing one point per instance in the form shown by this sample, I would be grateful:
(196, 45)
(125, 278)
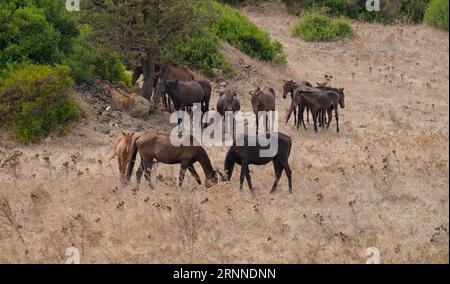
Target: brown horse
(171, 72)
(156, 146)
(317, 101)
(289, 87)
(183, 94)
(122, 149)
(228, 101)
(262, 101)
(137, 73)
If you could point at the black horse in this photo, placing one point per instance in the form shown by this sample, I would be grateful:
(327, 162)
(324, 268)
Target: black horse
(251, 155)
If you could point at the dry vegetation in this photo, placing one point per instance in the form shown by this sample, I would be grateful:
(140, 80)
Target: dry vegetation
(382, 182)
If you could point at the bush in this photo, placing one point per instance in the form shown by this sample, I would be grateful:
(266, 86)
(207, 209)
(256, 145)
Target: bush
(240, 32)
(39, 31)
(82, 58)
(314, 27)
(35, 102)
(391, 10)
(437, 14)
(109, 67)
(200, 51)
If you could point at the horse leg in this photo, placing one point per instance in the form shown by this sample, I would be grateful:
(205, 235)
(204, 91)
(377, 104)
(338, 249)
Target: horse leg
(249, 180)
(148, 171)
(337, 117)
(330, 117)
(242, 177)
(288, 172)
(314, 116)
(182, 175)
(307, 114)
(195, 174)
(139, 173)
(257, 123)
(295, 116)
(278, 171)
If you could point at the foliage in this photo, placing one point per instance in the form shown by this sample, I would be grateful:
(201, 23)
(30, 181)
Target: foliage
(437, 14)
(201, 51)
(81, 59)
(35, 31)
(109, 67)
(314, 27)
(35, 101)
(391, 10)
(240, 32)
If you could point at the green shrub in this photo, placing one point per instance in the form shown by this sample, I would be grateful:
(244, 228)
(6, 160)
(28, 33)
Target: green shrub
(200, 51)
(239, 31)
(390, 10)
(39, 31)
(437, 14)
(314, 27)
(81, 59)
(35, 101)
(109, 67)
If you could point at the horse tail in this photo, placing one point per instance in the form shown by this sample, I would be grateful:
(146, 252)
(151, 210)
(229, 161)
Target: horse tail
(230, 160)
(133, 154)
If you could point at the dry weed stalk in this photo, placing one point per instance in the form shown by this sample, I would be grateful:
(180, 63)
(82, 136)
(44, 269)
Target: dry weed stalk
(189, 220)
(7, 213)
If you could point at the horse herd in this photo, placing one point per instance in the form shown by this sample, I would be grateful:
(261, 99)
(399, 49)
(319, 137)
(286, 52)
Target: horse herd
(177, 85)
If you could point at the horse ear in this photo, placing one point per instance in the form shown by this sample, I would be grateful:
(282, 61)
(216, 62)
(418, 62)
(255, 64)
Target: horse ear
(342, 89)
(124, 134)
(251, 94)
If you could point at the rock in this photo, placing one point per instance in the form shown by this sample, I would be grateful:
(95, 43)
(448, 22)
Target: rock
(133, 104)
(218, 75)
(105, 129)
(223, 84)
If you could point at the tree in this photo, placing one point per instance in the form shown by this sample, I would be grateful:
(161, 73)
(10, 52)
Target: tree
(141, 29)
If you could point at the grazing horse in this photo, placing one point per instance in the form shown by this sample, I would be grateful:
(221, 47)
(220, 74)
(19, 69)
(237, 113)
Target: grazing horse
(156, 146)
(317, 101)
(250, 155)
(228, 101)
(262, 101)
(171, 72)
(289, 87)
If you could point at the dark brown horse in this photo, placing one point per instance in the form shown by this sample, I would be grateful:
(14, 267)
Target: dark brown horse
(137, 73)
(171, 72)
(153, 146)
(289, 87)
(317, 100)
(228, 101)
(262, 101)
(250, 155)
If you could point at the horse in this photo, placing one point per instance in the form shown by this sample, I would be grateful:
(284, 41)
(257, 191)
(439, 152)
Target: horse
(317, 100)
(157, 146)
(122, 149)
(228, 101)
(172, 72)
(289, 87)
(137, 73)
(262, 101)
(250, 155)
(182, 94)
(207, 90)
